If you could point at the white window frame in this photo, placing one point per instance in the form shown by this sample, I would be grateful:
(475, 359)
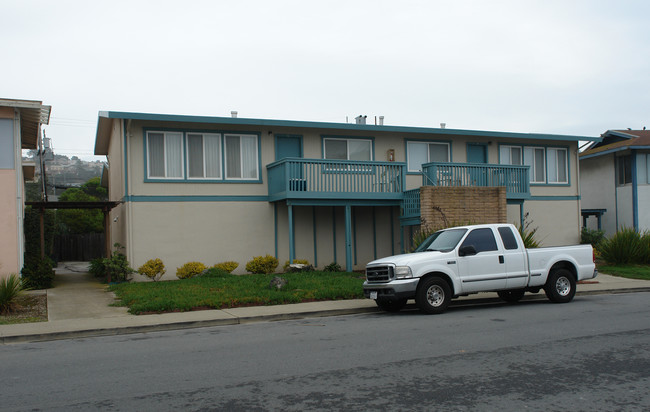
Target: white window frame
(415, 142)
(555, 152)
(347, 141)
(533, 164)
(165, 160)
(508, 161)
(241, 159)
(220, 155)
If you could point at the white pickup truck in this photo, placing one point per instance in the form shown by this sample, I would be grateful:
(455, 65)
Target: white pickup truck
(463, 260)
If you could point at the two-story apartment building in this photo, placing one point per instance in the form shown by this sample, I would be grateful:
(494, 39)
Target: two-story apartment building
(20, 126)
(615, 181)
(211, 189)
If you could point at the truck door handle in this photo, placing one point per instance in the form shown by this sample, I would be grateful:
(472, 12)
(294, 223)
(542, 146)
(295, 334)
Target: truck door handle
(501, 260)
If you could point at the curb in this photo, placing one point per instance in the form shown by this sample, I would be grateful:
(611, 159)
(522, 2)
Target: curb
(126, 330)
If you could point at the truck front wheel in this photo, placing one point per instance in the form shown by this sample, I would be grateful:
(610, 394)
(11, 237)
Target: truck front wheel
(560, 286)
(391, 305)
(433, 295)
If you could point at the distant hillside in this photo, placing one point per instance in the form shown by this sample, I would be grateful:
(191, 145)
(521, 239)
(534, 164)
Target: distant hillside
(63, 172)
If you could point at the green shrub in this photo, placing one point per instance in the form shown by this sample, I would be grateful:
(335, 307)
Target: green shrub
(97, 268)
(295, 261)
(117, 266)
(332, 267)
(10, 288)
(627, 246)
(262, 264)
(227, 267)
(528, 234)
(38, 273)
(153, 269)
(592, 237)
(190, 269)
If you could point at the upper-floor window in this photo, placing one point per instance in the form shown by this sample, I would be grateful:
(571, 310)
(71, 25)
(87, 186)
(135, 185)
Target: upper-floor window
(557, 165)
(204, 155)
(210, 156)
(624, 169)
(535, 157)
(419, 153)
(347, 149)
(165, 155)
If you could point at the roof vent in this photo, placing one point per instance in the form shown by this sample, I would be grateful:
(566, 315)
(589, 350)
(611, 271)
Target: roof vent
(443, 125)
(361, 119)
(233, 114)
(381, 120)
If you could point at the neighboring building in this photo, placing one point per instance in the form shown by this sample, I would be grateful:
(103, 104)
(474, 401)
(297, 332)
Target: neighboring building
(212, 189)
(615, 181)
(20, 123)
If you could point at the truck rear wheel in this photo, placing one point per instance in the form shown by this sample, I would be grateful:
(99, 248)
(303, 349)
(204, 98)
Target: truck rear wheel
(512, 295)
(433, 295)
(391, 305)
(560, 286)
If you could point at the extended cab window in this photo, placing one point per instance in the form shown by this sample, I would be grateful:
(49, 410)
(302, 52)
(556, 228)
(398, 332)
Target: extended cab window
(508, 238)
(482, 239)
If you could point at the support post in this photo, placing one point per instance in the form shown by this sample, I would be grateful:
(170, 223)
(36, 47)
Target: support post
(107, 240)
(42, 224)
(292, 251)
(348, 238)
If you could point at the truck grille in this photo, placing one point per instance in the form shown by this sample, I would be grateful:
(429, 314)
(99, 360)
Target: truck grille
(379, 273)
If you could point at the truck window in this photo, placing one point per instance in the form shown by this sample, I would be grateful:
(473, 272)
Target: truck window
(508, 238)
(482, 239)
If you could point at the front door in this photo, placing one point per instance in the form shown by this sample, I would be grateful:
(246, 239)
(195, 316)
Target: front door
(476, 153)
(288, 146)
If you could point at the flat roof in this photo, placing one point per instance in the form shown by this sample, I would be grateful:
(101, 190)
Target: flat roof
(103, 127)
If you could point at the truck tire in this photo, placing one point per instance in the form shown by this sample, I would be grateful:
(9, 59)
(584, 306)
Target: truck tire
(512, 295)
(391, 305)
(560, 286)
(433, 295)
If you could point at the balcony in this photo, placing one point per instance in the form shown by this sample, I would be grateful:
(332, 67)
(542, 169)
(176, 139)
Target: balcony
(310, 179)
(514, 178)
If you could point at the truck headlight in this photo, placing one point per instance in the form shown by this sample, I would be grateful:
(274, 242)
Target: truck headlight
(403, 272)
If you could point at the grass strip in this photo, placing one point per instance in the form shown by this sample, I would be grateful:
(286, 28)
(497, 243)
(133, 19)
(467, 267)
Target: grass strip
(219, 290)
(627, 271)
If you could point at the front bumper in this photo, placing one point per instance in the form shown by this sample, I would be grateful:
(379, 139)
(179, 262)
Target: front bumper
(396, 289)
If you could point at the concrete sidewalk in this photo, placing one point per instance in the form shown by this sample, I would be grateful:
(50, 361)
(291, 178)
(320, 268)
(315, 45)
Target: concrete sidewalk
(78, 306)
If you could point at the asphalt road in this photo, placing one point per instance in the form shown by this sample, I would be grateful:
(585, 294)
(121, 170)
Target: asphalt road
(590, 354)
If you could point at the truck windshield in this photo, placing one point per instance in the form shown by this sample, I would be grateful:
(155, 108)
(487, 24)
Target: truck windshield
(443, 241)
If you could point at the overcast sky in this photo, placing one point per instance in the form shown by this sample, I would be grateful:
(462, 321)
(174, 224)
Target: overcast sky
(566, 67)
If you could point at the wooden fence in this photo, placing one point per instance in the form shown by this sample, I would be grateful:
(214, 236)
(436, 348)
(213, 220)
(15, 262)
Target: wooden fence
(78, 248)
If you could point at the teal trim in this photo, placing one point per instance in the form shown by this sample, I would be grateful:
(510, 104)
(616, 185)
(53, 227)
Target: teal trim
(275, 228)
(615, 191)
(406, 152)
(334, 231)
(313, 211)
(144, 198)
(126, 169)
(615, 150)
(354, 234)
(348, 239)
(552, 198)
(335, 126)
(292, 245)
(341, 202)
(635, 192)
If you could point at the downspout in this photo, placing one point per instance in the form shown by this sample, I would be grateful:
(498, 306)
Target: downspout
(126, 124)
(635, 193)
(615, 192)
(20, 235)
(579, 202)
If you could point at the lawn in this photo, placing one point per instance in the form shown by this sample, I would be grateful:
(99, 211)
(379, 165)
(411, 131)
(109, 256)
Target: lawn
(626, 271)
(217, 290)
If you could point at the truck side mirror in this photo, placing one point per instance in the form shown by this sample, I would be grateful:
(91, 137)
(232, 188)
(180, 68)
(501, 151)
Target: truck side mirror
(467, 250)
